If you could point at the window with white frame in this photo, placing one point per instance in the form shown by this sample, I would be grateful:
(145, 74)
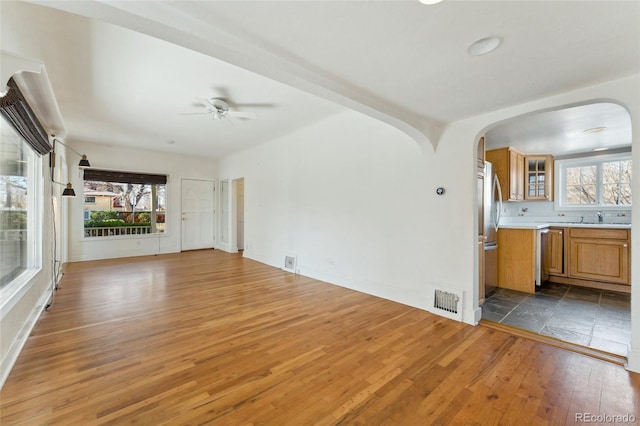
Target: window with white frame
(595, 182)
(19, 234)
(129, 203)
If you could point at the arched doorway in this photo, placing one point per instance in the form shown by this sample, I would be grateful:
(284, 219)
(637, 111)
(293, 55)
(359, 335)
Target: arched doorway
(564, 240)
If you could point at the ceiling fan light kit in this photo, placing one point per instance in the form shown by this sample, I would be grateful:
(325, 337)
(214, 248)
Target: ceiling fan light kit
(218, 108)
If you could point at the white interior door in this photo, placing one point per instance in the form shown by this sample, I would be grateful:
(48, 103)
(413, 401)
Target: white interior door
(198, 214)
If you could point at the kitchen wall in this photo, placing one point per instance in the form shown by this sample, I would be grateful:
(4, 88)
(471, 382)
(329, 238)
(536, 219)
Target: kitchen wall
(107, 157)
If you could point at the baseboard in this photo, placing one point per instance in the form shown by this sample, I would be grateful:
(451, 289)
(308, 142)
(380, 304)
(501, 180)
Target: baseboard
(633, 361)
(227, 247)
(16, 347)
(475, 313)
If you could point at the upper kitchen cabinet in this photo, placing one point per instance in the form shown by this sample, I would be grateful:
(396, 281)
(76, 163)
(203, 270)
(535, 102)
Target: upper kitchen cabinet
(538, 177)
(509, 166)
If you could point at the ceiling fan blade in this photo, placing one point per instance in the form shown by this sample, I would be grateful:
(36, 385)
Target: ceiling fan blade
(255, 105)
(206, 103)
(193, 113)
(242, 114)
(222, 91)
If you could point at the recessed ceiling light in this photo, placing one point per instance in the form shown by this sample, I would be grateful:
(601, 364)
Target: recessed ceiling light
(484, 45)
(429, 2)
(600, 149)
(595, 130)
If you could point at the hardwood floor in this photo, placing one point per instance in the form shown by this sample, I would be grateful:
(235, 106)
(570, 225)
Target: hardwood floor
(208, 337)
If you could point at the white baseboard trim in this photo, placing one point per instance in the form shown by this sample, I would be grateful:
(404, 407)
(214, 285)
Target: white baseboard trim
(16, 347)
(227, 247)
(476, 314)
(633, 361)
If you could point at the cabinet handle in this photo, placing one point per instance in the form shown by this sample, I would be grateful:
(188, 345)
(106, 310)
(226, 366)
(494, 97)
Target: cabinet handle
(624, 245)
(560, 232)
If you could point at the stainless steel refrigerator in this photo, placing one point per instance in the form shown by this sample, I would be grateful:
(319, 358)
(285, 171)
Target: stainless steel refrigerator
(492, 207)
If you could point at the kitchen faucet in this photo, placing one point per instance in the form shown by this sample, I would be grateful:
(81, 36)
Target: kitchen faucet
(600, 217)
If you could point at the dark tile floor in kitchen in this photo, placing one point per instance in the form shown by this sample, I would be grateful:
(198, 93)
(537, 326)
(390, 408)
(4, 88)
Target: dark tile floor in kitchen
(594, 318)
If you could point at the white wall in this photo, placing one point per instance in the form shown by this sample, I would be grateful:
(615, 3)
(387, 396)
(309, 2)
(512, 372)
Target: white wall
(347, 197)
(118, 158)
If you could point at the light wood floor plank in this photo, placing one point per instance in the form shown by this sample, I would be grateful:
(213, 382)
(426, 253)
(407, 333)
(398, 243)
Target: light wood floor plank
(210, 337)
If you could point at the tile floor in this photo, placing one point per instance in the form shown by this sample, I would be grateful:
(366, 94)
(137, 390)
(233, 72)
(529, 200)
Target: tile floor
(599, 319)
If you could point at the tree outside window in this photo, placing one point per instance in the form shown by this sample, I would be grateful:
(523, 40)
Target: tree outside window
(616, 183)
(581, 185)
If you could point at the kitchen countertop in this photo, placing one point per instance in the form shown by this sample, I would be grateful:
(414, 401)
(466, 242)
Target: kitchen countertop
(542, 225)
(524, 225)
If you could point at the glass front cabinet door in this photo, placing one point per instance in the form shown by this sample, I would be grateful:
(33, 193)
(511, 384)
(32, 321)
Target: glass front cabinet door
(538, 177)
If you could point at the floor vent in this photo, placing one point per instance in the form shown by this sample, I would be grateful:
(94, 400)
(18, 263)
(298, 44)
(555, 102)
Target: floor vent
(290, 263)
(448, 303)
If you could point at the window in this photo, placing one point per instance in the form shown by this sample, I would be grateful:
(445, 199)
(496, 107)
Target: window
(90, 200)
(596, 182)
(126, 203)
(19, 235)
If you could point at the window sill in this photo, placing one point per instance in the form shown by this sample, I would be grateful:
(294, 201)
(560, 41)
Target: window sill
(13, 292)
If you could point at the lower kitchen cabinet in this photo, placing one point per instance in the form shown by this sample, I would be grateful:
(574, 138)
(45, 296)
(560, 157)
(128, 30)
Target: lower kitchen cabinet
(554, 252)
(516, 259)
(599, 255)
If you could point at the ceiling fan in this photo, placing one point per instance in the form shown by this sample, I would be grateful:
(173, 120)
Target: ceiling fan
(219, 108)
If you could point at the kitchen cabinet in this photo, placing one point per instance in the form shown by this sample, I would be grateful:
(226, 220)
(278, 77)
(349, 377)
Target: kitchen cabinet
(509, 166)
(600, 254)
(538, 177)
(554, 253)
(517, 259)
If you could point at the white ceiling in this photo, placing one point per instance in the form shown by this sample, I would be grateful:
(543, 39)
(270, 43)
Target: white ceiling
(562, 132)
(398, 61)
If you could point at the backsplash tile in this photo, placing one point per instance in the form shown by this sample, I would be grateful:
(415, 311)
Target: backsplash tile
(540, 211)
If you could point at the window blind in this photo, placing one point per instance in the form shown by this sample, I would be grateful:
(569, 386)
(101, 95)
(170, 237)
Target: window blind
(124, 177)
(15, 109)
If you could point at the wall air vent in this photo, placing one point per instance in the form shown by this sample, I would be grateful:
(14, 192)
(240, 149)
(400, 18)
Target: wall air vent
(448, 303)
(290, 264)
